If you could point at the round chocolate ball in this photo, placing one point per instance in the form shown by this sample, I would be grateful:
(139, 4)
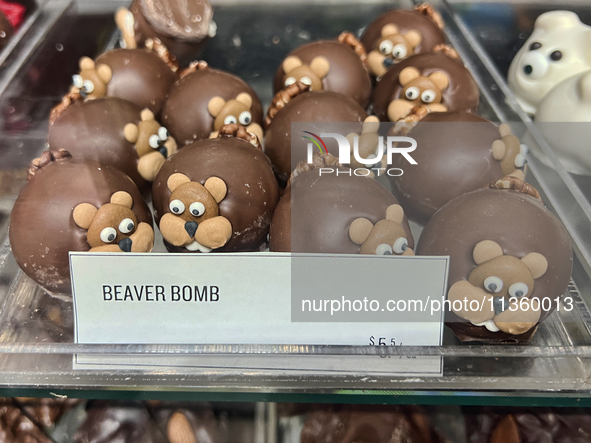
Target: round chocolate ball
(317, 210)
(513, 225)
(327, 65)
(435, 80)
(398, 34)
(42, 227)
(248, 204)
(453, 155)
(182, 26)
(188, 111)
(6, 30)
(314, 106)
(93, 130)
(139, 76)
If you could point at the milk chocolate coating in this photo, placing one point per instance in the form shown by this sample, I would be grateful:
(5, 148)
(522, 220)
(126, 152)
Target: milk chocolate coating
(42, 228)
(405, 20)
(352, 424)
(460, 95)
(139, 76)
(454, 156)
(6, 31)
(314, 106)
(521, 425)
(204, 425)
(252, 189)
(347, 74)
(316, 211)
(185, 113)
(520, 224)
(93, 130)
(16, 427)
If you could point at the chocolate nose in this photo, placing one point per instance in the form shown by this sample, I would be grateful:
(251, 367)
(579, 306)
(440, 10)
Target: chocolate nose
(125, 244)
(528, 69)
(388, 62)
(191, 228)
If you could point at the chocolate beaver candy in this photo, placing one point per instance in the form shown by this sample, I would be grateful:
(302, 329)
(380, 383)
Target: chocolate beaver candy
(205, 99)
(293, 105)
(215, 194)
(182, 26)
(74, 205)
(112, 131)
(457, 152)
(508, 253)
(136, 75)
(435, 80)
(400, 33)
(329, 65)
(340, 214)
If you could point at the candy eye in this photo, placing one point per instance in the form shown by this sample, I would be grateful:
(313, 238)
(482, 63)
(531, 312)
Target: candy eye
(428, 96)
(520, 161)
(412, 93)
(245, 118)
(230, 120)
(399, 51)
(154, 141)
(163, 133)
(126, 226)
(534, 46)
(177, 207)
(386, 47)
(88, 86)
(523, 149)
(518, 290)
(493, 284)
(306, 80)
(197, 209)
(290, 81)
(78, 82)
(555, 56)
(108, 235)
(384, 249)
(400, 245)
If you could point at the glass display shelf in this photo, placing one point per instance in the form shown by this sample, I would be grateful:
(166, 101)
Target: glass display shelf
(36, 332)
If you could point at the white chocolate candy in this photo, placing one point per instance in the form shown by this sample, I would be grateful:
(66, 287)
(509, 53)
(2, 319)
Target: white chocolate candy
(557, 49)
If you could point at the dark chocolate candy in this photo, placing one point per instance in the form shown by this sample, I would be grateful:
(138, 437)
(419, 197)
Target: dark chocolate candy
(252, 191)
(93, 130)
(314, 106)
(186, 113)
(451, 86)
(454, 156)
(182, 26)
(316, 211)
(521, 225)
(139, 76)
(6, 30)
(42, 227)
(332, 64)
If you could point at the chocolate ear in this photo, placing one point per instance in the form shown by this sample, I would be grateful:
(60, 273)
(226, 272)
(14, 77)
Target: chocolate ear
(320, 65)
(536, 263)
(370, 124)
(131, 132)
(84, 214)
(215, 106)
(407, 75)
(389, 29)
(86, 63)
(413, 37)
(175, 180)
(504, 130)
(359, 230)
(147, 115)
(105, 73)
(245, 99)
(498, 149)
(395, 213)
(122, 198)
(440, 78)
(290, 63)
(216, 187)
(486, 250)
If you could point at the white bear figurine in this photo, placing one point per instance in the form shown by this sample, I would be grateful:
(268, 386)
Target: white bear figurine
(557, 49)
(564, 119)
